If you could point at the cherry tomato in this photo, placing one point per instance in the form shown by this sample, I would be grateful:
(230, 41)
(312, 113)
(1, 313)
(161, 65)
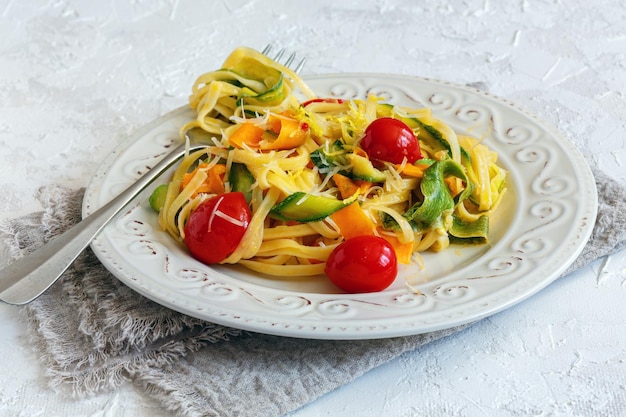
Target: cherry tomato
(215, 228)
(362, 264)
(388, 139)
(322, 100)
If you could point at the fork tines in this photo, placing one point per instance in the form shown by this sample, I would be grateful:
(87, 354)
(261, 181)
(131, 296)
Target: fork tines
(290, 59)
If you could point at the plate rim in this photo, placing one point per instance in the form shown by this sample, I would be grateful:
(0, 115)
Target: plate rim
(393, 328)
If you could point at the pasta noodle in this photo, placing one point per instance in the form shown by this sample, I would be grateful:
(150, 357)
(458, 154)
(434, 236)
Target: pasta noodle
(304, 160)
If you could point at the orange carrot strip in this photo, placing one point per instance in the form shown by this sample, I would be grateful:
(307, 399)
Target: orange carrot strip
(188, 176)
(403, 250)
(455, 185)
(215, 180)
(348, 187)
(290, 134)
(214, 183)
(410, 170)
(274, 124)
(247, 133)
(352, 221)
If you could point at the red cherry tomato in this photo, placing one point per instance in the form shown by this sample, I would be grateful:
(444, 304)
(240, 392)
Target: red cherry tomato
(322, 100)
(388, 139)
(215, 228)
(362, 264)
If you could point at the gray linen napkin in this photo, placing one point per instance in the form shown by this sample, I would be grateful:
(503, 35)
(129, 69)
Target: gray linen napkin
(94, 333)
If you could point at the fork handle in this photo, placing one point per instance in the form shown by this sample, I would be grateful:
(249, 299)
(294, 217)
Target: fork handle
(27, 278)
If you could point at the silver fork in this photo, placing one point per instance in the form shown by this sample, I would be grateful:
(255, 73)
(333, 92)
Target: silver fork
(27, 278)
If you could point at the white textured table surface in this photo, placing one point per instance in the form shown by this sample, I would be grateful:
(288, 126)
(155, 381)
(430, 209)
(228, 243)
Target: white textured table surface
(77, 77)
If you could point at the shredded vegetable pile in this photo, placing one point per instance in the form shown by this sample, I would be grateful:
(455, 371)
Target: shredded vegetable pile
(296, 179)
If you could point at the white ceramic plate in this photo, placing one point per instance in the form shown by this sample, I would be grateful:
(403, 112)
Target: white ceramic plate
(540, 229)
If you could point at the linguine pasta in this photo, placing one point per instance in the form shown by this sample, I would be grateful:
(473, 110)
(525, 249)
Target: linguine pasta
(308, 183)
